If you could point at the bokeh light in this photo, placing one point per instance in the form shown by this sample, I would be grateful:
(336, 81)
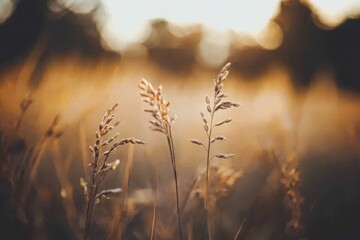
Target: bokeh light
(127, 21)
(333, 12)
(6, 9)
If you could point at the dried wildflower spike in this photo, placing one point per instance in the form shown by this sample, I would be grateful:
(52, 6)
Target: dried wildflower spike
(212, 107)
(161, 122)
(101, 165)
(290, 179)
(159, 107)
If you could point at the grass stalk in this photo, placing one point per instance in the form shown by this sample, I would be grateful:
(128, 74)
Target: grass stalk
(239, 229)
(207, 181)
(125, 184)
(101, 166)
(159, 108)
(217, 104)
(173, 161)
(153, 222)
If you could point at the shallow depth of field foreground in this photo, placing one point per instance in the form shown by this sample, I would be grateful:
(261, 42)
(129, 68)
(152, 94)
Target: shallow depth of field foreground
(174, 125)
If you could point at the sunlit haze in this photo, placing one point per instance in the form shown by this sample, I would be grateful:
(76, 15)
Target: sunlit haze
(127, 21)
(6, 8)
(334, 11)
(169, 119)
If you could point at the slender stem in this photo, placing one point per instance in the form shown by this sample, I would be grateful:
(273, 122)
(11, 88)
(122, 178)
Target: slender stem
(120, 231)
(208, 184)
(173, 161)
(155, 203)
(92, 195)
(89, 211)
(240, 228)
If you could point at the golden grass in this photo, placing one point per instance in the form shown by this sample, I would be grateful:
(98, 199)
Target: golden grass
(159, 109)
(269, 115)
(101, 165)
(218, 103)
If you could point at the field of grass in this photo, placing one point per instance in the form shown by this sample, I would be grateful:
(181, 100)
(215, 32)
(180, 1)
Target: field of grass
(266, 162)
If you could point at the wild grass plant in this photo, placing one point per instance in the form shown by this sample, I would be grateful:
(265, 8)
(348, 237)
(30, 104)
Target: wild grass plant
(212, 106)
(210, 186)
(19, 164)
(101, 165)
(161, 122)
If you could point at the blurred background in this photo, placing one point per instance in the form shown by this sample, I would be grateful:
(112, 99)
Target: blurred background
(295, 72)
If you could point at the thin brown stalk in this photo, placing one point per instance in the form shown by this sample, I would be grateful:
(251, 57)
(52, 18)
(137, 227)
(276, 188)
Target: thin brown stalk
(239, 229)
(172, 151)
(101, 165)
(218, 103)
(159, 108)
(153, 222)
(33, 158)
(125, 183)
(207, 182)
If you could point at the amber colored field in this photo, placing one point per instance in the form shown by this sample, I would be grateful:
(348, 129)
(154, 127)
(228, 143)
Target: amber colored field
(296, 155)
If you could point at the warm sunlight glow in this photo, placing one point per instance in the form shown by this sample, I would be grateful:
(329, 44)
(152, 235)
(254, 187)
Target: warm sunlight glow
(127, 21)
(333, 12)
(214, 47)
(6, 8)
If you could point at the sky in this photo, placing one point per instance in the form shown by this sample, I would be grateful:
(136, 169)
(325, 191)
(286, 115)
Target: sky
(128, 20)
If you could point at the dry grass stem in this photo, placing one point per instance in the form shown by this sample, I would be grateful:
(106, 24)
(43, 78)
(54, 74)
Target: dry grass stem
(212, 107)
(239, 230)
(19, 163)
(32, 159)
(161, 122)
(120, 223)
(100, 165)
(153, 221)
